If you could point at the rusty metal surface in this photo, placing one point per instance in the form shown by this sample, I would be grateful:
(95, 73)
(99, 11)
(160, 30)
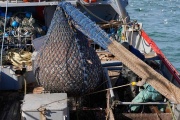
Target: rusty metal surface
(144, 116)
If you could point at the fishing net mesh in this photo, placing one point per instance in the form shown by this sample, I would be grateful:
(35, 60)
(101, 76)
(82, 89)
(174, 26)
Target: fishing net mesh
(66, 63)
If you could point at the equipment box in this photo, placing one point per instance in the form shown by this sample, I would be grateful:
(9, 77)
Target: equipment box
(45, 107)
(9, 80)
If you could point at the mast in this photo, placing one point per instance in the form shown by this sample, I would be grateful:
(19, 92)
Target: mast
(119, 6)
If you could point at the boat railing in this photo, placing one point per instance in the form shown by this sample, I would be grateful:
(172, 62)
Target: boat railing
(22, 3)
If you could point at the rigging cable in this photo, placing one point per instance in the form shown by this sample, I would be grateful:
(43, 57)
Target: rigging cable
(172, 113)
(93, 13)
(3, 38)
(132, 83)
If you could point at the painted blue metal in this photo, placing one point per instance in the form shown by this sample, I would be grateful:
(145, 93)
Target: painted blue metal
(9, 80)
(86, 26)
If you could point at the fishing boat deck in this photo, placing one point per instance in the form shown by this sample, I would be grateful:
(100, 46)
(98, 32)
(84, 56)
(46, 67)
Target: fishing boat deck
(10, 105)
(10, 101)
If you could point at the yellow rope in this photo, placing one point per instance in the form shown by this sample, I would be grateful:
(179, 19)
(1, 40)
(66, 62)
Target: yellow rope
(110, 88)
(171, 111)
(17, 58)
(25, 85)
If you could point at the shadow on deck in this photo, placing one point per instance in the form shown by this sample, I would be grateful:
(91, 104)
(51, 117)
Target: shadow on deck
(10, 105)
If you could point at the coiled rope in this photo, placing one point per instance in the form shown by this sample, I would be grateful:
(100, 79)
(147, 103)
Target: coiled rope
(18, 58)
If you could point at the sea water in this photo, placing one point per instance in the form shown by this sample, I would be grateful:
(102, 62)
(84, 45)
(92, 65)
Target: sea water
(161, 21)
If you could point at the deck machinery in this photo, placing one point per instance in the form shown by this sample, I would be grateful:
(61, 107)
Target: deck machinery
(25, 34)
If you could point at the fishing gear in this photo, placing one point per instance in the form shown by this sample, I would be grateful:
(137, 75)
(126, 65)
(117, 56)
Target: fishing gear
(66, 63)
(21, 29)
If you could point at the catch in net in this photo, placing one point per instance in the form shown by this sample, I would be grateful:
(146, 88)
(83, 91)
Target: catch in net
(66, 63)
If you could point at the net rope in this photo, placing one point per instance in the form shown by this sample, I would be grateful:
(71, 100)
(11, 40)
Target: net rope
(66, 63)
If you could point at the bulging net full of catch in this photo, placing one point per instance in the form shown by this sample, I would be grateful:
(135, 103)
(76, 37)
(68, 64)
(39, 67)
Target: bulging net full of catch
(66, 63)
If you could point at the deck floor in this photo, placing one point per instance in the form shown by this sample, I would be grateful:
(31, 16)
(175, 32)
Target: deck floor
(10, 105)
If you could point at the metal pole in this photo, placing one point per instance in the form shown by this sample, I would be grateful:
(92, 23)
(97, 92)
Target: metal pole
(146, 103)
(122, 11)
(109, 82)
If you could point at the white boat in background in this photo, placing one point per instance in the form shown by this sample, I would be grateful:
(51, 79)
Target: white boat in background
(27, 28)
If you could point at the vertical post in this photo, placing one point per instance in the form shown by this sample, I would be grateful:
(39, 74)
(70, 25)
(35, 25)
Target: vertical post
(109, 82)
(120, 7)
